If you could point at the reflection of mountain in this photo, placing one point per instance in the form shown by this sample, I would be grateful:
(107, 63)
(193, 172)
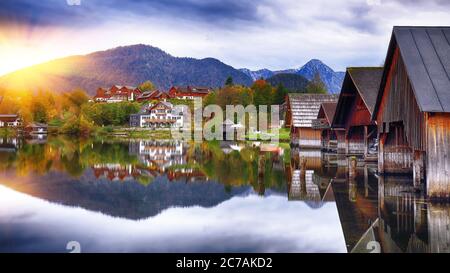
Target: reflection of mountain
(130, 200)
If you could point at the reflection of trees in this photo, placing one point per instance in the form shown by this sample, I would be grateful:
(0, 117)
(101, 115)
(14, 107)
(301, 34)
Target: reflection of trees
(237, 168)
(75, 156)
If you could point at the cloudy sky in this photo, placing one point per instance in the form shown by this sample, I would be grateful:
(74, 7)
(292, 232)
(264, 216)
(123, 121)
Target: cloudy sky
(274, 34)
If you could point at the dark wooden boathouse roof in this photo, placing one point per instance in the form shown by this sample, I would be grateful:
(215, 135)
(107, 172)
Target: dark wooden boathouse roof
(325, 116)
(364, 81)
(328, 108)
(426, 55)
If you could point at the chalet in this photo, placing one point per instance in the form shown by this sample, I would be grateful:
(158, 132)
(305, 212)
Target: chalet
(13, 121)
(189, 92)
(117, 93)
(412, 109)
(352, 122)
(323, 123)
(152, 95)
(36, 128)
(160, 115)
(302, 109)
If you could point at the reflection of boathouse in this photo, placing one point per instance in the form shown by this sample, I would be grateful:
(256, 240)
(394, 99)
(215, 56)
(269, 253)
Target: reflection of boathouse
(308, 180)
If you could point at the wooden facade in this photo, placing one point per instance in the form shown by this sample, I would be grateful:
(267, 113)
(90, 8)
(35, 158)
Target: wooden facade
(302, 109)
(323, 123)
(355, 130)
(413, 107)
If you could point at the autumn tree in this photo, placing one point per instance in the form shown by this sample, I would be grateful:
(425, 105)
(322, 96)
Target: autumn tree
(147, 86)
(280, 94)
(262, 93)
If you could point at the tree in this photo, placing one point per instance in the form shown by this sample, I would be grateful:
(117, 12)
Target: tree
(147, 86)
(316, 86)
(229, 81)
(210, 98)
(280, 94)
(262, 93)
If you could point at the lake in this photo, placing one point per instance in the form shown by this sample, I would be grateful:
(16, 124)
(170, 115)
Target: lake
(168, 196)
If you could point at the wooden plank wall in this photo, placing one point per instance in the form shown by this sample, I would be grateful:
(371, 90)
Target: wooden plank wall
(438, 156)
(398, 156)
(341, 143)
(401, 105)
(356, 144)
(309, 138)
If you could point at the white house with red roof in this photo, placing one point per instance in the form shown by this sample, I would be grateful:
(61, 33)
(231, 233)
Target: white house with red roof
(160, 115)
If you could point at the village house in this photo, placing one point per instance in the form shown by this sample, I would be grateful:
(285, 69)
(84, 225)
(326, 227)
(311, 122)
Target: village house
(189, 92)
(36, 128)
(10, 120)
(302, 109)
(160, 115)
(323, 123)
(116, 93)
(412, 109)
(152, 95)
(356, 132)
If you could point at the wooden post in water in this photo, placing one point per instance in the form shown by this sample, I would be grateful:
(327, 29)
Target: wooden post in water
(352, 179)
(366, 181)
(352, 167)
(366, 142)
(382, 140)
(418, 169)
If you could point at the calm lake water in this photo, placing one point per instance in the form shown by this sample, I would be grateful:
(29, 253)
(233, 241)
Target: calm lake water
(168, 196)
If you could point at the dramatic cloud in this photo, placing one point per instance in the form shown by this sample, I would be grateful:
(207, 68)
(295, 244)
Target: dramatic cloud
(243, 33)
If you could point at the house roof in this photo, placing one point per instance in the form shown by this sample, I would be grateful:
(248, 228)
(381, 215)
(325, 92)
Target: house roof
(367, 82)
(362, 81)
(193, 89)
(305, 107)
(166, 104)
(426, 54)
(329, 108)
(8, 117)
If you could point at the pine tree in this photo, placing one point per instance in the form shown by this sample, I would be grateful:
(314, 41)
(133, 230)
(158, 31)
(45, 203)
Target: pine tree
(316, 85)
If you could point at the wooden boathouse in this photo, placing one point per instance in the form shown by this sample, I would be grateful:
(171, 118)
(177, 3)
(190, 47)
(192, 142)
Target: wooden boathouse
(412, 109)
(355, 130)
(323, 123)
(302, 109)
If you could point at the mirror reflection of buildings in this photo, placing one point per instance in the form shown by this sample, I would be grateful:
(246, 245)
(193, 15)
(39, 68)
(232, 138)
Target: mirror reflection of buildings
(407, 222)
(384, 209)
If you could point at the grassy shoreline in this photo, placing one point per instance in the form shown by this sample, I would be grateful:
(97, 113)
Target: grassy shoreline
(140, 133)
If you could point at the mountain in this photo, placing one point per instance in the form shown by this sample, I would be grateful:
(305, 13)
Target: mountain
(258, 74)
(292, 82)
(332, 80)
(128, 65)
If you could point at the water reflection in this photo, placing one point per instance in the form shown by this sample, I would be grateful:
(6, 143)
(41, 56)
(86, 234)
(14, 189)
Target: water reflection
(213, 196)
